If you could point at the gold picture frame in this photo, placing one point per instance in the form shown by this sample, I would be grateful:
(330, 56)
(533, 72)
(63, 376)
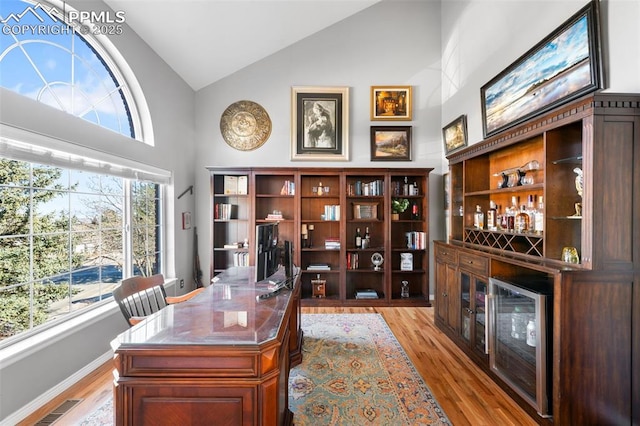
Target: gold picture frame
(320, 123)
(391, 103)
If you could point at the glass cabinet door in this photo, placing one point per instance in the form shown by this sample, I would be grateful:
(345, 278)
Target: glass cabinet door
(465, 306)
(479, 310)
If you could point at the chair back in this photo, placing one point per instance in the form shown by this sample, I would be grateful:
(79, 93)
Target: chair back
(140, 296)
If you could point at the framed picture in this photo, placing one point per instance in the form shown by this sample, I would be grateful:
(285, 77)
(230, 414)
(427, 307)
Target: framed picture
(563, 66)
(454, 135)
(320, 123)
(391, 103)
(390, 143)
(186, 220)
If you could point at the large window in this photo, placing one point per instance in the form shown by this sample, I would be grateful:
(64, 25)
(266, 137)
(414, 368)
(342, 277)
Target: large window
(66, 240)
(46, 56)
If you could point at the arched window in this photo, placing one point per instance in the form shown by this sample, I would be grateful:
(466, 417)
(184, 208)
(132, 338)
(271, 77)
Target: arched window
(48, 56)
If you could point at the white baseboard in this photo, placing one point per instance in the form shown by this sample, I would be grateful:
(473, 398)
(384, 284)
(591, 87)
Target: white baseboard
(34, 405)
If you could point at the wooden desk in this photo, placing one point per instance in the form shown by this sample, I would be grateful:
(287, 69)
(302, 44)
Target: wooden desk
(219, 358)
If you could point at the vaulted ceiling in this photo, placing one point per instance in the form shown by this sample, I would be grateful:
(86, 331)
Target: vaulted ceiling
(206, 40)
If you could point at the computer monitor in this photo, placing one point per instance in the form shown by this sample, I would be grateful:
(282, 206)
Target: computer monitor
(266, 251)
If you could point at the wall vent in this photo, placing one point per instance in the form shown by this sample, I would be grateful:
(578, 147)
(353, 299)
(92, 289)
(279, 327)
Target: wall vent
(58, 412)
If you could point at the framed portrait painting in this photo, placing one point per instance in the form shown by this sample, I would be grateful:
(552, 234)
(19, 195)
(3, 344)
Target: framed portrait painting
(320, 123)
(391, 103)
(455, 135)
(390, 143)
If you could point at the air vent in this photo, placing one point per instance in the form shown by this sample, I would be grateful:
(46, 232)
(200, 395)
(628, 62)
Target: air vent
(55, 414)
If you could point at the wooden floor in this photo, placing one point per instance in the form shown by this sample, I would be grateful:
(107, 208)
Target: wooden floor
(465, 393)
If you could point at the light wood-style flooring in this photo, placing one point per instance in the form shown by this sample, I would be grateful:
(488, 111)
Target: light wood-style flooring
(465, 393)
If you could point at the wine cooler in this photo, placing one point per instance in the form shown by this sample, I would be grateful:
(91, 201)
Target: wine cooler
(520, 337)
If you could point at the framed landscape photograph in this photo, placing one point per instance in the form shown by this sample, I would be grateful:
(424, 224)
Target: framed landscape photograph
(454, 135)
(563, 66)
(391, 103)
(320, 123)
(390, 143)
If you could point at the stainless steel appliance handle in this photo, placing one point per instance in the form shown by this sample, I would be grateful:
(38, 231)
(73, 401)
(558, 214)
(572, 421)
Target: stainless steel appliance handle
(489, 333)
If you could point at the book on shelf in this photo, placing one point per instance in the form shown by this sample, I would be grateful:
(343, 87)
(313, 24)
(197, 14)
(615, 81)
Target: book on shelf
(225, 211)
(331, 212)
(318, 267)
(416, 240)
(288, 188)
(272, 216)
(332, 243)
(241, 258)
(366, 294)
(353, 260)
(233, 245)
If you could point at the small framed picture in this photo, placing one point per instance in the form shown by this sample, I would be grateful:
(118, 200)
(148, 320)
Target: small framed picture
(391, 103)
(390, 143)
(320, 123)
(186, 220)
(455, 135)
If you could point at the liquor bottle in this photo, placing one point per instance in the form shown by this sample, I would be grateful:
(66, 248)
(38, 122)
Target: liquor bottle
(522, 220)
(406, 186)
(358, 238)
(511, 214)
(492, 217)
(366, 243)
(531, 211)
(416, 190)
(539, 221)
(415, 210)
(478, 218)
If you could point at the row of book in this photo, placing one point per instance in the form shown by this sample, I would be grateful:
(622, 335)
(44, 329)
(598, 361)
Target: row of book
(366, 189)
(331, 212)
(318, 267)
(288, 188)
(353, 260)
(225, 211)
(332, 243)
(241, 258)
(416, 240)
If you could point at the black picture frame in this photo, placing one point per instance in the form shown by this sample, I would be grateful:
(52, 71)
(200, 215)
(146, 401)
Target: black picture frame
(563, 66)
(454, 135)
(390, 143)
(320, 123)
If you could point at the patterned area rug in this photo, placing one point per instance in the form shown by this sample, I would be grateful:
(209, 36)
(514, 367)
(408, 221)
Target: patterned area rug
(353, 372)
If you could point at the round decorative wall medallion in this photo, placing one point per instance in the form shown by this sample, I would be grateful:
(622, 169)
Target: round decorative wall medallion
(245, 125)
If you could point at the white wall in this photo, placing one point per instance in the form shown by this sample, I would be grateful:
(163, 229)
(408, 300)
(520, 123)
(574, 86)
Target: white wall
(390, 43)
(480, 38)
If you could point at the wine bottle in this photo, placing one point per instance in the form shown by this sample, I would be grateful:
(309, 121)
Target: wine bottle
(358, 238)
(415, 210)
(366, 243)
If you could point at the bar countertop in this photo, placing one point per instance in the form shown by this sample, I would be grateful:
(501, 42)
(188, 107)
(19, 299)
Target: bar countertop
(227, 313)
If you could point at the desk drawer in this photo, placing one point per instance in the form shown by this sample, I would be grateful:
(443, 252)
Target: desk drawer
(473, 263)
(446, 253)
